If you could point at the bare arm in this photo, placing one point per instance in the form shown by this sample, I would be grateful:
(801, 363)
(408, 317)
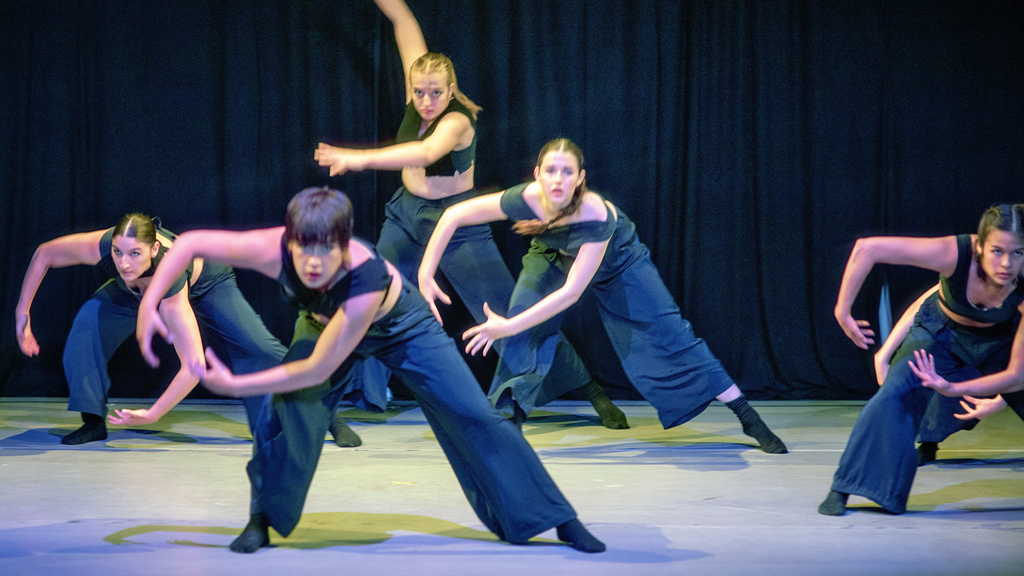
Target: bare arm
(177, 315)
(340, 337)
(899, 331)
(580, 274)
(479, 210)
(938, 254)
(1009, 380)
(258, 250)
(446, 136)
(408, 36)
(69, 250)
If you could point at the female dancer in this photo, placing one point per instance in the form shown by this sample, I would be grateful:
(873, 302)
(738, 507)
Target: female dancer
(940, 418)
(579, 239)
(435, 152)
(129, 253)
(354, 304)
(968, 325)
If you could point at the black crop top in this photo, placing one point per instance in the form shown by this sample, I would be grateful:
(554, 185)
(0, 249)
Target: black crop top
(456, 161)
(370, 276)
(953, 290)
(106, 263)
(566, 238)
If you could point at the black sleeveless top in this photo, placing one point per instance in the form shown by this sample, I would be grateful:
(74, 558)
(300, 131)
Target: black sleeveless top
(567, 238)
(953, 290)
(106, 263)
(455, 161)
(370, 276)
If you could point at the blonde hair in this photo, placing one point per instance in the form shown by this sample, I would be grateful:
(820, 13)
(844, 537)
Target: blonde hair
(433, 62)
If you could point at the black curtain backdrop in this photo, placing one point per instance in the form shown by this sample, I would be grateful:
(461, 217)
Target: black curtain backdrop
(752, 141)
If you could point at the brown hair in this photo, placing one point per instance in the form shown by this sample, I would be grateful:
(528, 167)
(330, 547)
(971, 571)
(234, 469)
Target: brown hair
(138, 226)
(1002, 217)
(535, 226)
(319, 216)
(432, 62)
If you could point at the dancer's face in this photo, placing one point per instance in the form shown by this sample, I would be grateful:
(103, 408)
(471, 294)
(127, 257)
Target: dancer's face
(430, 94)
(131, 257)
(559, 174)
(1002, 256)
(317, 264)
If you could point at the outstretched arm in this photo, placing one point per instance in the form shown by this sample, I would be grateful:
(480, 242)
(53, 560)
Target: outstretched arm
(340, 337)
(899, 332)
(67, 250)
(177, 315)
(450, 130)
(258, 250)
(479, 210)
(580, 274)
(939, 254)
(1009, 380)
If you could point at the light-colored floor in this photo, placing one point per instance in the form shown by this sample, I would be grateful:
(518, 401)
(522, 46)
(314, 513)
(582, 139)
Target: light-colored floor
(699, 499)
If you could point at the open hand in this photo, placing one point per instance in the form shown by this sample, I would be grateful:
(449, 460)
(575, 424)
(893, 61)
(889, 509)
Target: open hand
(980, 407)
(131, 417)
(339, 160)
(923, 365)
(484, 335)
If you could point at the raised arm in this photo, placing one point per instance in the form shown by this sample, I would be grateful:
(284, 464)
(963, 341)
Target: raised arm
(899, 331)
(258, 250)
(479, 210)
(340, 337)
(408, 36)
(446, 136)
(177, 315)
(938, 254)
(69, 250)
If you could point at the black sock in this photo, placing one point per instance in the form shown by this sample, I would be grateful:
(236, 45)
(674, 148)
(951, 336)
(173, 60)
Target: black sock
(834, 504)
(343, 435)
(254, 536)
(926, 452)
(579, 538)
(754, 427)
(93, 429)
(611, 416)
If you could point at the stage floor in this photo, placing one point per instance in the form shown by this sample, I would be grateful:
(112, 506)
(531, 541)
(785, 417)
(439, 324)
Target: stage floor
(698, 499)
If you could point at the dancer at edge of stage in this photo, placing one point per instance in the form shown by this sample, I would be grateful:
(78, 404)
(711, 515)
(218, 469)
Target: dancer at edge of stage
(968, 326)
(129, 253)
(354, 305)
(580, 240)
(435, 152)
(940, 419)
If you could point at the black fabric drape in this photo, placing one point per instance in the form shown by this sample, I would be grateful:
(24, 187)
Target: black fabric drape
(751, 141)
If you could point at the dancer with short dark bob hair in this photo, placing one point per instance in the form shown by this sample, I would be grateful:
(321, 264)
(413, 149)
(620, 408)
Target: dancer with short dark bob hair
(355, 305)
